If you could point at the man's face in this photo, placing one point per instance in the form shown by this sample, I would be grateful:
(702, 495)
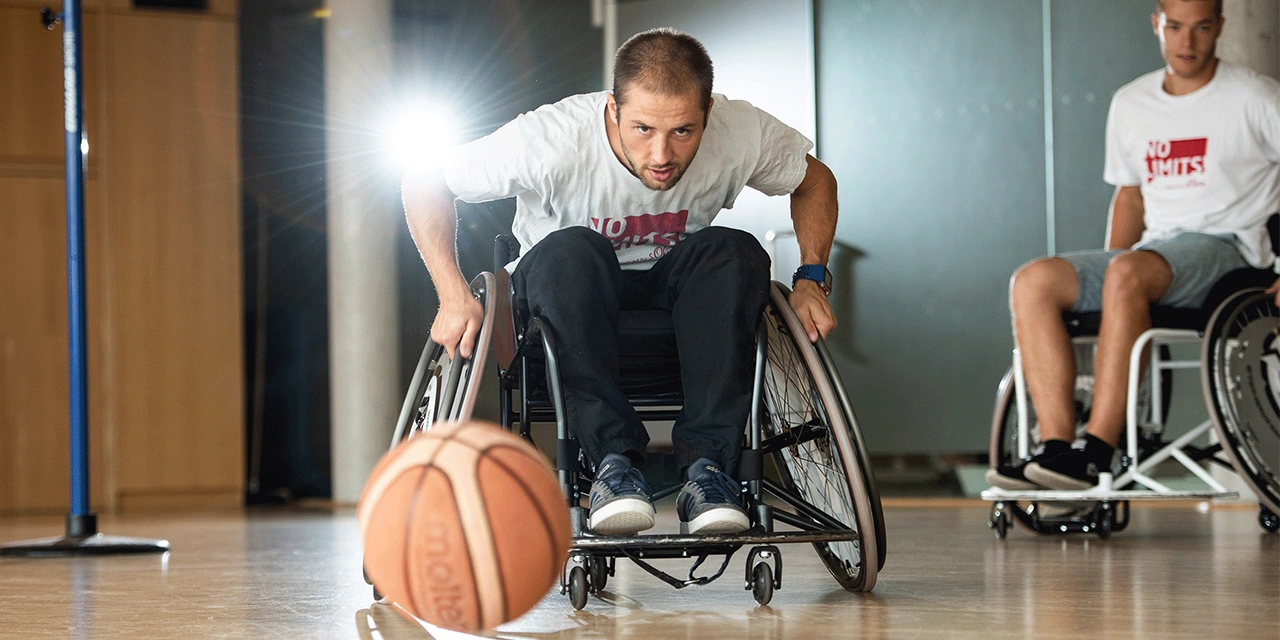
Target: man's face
(659, 134)
(1188, 31)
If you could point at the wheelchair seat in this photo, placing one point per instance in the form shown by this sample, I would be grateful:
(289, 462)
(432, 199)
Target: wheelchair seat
(1190, 318)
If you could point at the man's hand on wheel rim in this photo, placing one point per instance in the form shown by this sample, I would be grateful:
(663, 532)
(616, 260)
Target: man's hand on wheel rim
(456, 326)
(813, 309)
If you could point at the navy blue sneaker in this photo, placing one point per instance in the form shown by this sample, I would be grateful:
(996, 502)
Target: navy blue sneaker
(619, 498)
(710, 502)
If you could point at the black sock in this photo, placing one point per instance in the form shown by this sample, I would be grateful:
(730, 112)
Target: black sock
(1054, 448)
(1098, 452)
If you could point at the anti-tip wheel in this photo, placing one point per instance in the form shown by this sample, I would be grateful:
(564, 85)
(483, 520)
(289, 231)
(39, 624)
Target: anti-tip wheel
(598, 573)
(1269, 521)
(1104, 518)
(999, 522)
(578, 587)
(762, 583)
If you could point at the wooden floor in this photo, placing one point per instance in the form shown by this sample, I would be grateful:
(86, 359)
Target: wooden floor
(1177, 572)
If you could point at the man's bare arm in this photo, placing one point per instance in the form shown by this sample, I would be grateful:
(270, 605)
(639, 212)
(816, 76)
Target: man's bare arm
(1125, 224)
(433, 223)
(814, 210)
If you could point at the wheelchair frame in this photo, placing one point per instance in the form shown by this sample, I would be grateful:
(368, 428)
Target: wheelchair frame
(1105, 508)
(444, 390)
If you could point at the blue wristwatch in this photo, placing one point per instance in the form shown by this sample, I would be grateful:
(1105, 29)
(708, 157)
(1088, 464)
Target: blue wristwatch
(816, 272)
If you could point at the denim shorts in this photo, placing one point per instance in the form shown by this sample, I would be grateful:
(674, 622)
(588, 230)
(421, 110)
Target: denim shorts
(1198, 261)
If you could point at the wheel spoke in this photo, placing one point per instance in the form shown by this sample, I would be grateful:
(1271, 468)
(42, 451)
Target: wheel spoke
(811, 464)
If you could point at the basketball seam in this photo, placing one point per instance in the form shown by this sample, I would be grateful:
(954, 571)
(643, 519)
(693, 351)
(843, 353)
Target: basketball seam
(546, 526)
(408, 538)
(426, 467)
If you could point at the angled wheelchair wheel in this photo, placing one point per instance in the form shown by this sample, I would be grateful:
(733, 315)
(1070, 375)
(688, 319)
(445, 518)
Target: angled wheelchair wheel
(444, 389)
(1004, 445)
(1004, 448)
(1240, 373)
(828, 467)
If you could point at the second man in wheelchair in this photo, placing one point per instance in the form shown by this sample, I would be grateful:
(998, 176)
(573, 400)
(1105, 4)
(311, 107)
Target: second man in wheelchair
(615, 196)
(1194, 152)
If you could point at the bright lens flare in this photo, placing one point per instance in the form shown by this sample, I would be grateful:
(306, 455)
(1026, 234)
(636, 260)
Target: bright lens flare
(419, 135)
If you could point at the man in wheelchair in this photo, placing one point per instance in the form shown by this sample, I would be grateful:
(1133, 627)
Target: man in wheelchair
(1193, 150)
(615, 195)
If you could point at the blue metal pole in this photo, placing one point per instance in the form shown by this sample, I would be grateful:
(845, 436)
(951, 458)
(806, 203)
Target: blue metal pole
(73, 106)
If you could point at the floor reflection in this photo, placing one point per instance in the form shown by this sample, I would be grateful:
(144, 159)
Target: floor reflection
(1176, 572)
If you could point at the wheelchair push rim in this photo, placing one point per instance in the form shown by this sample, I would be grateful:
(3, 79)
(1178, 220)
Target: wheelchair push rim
(439, 388)
(1240, 375)
(825, 471)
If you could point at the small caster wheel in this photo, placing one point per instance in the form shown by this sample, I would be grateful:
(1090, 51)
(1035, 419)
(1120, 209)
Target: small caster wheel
(578, 587)
(1270, 521)
(999, 521)
(762, 583)
(598, 573)
(1103, 519)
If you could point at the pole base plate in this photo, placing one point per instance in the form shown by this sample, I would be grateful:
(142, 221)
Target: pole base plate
(94, 545)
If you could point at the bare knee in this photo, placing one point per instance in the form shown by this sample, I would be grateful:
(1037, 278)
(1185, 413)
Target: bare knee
(1134, 276)
(1044, 282)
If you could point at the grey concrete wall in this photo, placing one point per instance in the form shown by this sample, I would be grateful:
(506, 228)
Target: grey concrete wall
(932, 115)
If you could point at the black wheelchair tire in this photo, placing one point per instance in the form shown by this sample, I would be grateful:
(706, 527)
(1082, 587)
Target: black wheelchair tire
(1250, 313)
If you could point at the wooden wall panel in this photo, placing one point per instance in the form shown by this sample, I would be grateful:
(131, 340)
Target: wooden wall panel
(31, 129)
(174, 257)
(33, 349)
(162, 254)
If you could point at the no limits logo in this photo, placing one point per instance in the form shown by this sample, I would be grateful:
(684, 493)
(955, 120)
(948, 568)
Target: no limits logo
(662, 230)
(1175, 158)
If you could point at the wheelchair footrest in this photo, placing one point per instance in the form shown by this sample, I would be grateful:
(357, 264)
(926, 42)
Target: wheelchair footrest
(685, 546)
(1093, 495)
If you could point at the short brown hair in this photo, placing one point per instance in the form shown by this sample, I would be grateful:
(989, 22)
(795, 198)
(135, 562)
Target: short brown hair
(1217, 7)
(663, 60)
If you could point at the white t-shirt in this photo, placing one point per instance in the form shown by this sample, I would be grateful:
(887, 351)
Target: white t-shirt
(558, 164)
(1207, 161)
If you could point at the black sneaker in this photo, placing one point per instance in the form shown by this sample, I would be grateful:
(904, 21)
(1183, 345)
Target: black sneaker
(619, 498)
(1011, 478)
(710, 502)
(1071, 471)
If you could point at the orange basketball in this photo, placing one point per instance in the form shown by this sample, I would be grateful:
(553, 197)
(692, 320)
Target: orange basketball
(464, 526)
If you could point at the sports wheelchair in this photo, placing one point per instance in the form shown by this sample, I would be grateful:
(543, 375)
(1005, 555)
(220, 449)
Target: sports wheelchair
(805, 470)
(1237, 330)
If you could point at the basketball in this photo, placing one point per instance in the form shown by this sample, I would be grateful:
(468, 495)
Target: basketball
(464, 526)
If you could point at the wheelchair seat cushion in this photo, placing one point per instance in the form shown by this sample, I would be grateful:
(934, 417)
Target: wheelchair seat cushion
(1193, 318)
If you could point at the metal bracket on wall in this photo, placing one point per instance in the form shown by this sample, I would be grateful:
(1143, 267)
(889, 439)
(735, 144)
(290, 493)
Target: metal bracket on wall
(48, 18)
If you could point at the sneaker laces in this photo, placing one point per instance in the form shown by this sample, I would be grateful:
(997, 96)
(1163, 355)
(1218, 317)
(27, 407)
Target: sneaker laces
(628, 481)
(717, 487)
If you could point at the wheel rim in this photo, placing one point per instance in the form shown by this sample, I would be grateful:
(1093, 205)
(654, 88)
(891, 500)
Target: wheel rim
(820, 470)
(1241, 375)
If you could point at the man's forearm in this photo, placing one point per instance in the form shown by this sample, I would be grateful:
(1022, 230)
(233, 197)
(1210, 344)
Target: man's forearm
(433, 224)
(1125, 224)
(814, 210)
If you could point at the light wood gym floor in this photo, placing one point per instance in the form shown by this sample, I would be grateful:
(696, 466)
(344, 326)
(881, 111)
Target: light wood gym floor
(1179, 571)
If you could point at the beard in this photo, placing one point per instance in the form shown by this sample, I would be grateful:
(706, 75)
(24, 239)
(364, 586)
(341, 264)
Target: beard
(642, 173)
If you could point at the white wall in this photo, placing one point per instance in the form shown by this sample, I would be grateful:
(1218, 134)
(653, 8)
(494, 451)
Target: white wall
(1249, 35)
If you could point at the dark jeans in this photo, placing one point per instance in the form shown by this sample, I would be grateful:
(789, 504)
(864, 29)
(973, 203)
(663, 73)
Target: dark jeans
(714, 283)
